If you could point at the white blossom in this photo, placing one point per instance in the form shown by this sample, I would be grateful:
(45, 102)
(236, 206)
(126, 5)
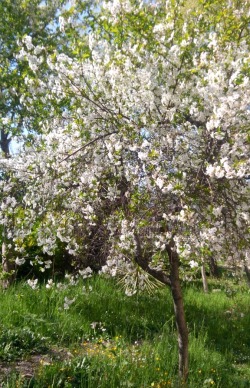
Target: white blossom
(33, 283)
(19, 261)
(68, 302)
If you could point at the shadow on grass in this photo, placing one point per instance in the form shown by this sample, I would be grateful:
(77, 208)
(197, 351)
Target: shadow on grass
(224, 321)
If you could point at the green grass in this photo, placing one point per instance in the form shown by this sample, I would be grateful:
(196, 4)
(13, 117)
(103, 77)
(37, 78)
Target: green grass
(133, 344)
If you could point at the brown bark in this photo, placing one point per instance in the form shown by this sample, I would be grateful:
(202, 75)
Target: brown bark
(204, 278)
(5, 143)
(173, 280)
(7, 267)
(180, 318)
(213, 266)
(247, 272)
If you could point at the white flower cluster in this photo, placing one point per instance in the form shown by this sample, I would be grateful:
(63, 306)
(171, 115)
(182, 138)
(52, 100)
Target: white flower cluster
(86, 273)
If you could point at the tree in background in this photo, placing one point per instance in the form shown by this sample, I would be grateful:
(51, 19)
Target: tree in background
(22, 21)
(145, 141)
(31, 23)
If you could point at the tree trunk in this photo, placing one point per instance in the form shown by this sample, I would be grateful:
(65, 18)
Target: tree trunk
(204, 278)
(5, 143)
(7, 267)
(179, 314)
(213, 267)
(247, 272)
(173, 281)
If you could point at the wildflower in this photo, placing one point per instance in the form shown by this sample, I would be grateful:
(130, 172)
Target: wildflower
(49, 284)
(32, 283)
(209, 382)
(97, 325)
(61, 286)
(87, 289)
(68, 302)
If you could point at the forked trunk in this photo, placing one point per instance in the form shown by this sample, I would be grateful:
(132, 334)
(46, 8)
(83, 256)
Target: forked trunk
(179, 314)
(173, 281)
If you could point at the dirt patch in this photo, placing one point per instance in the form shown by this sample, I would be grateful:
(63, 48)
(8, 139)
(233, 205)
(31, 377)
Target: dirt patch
(28, 366)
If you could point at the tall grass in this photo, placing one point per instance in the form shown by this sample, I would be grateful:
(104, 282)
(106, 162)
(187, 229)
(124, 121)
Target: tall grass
(118, 341)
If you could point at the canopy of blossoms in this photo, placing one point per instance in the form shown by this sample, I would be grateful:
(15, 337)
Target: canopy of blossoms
(145, 140)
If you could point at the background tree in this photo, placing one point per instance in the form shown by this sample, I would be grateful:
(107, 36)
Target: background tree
(22, 21)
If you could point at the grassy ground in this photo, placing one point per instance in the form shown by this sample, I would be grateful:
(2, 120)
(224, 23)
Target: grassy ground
(105, 339)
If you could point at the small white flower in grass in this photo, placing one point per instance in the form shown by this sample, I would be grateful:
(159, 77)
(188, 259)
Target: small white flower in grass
(193, 264)
(33, 283)
(208, 382)
(93, 325)
(87, 289)
(98, 326)
(19, 261)
(61, 286)
(68, 302)
(49, 284)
